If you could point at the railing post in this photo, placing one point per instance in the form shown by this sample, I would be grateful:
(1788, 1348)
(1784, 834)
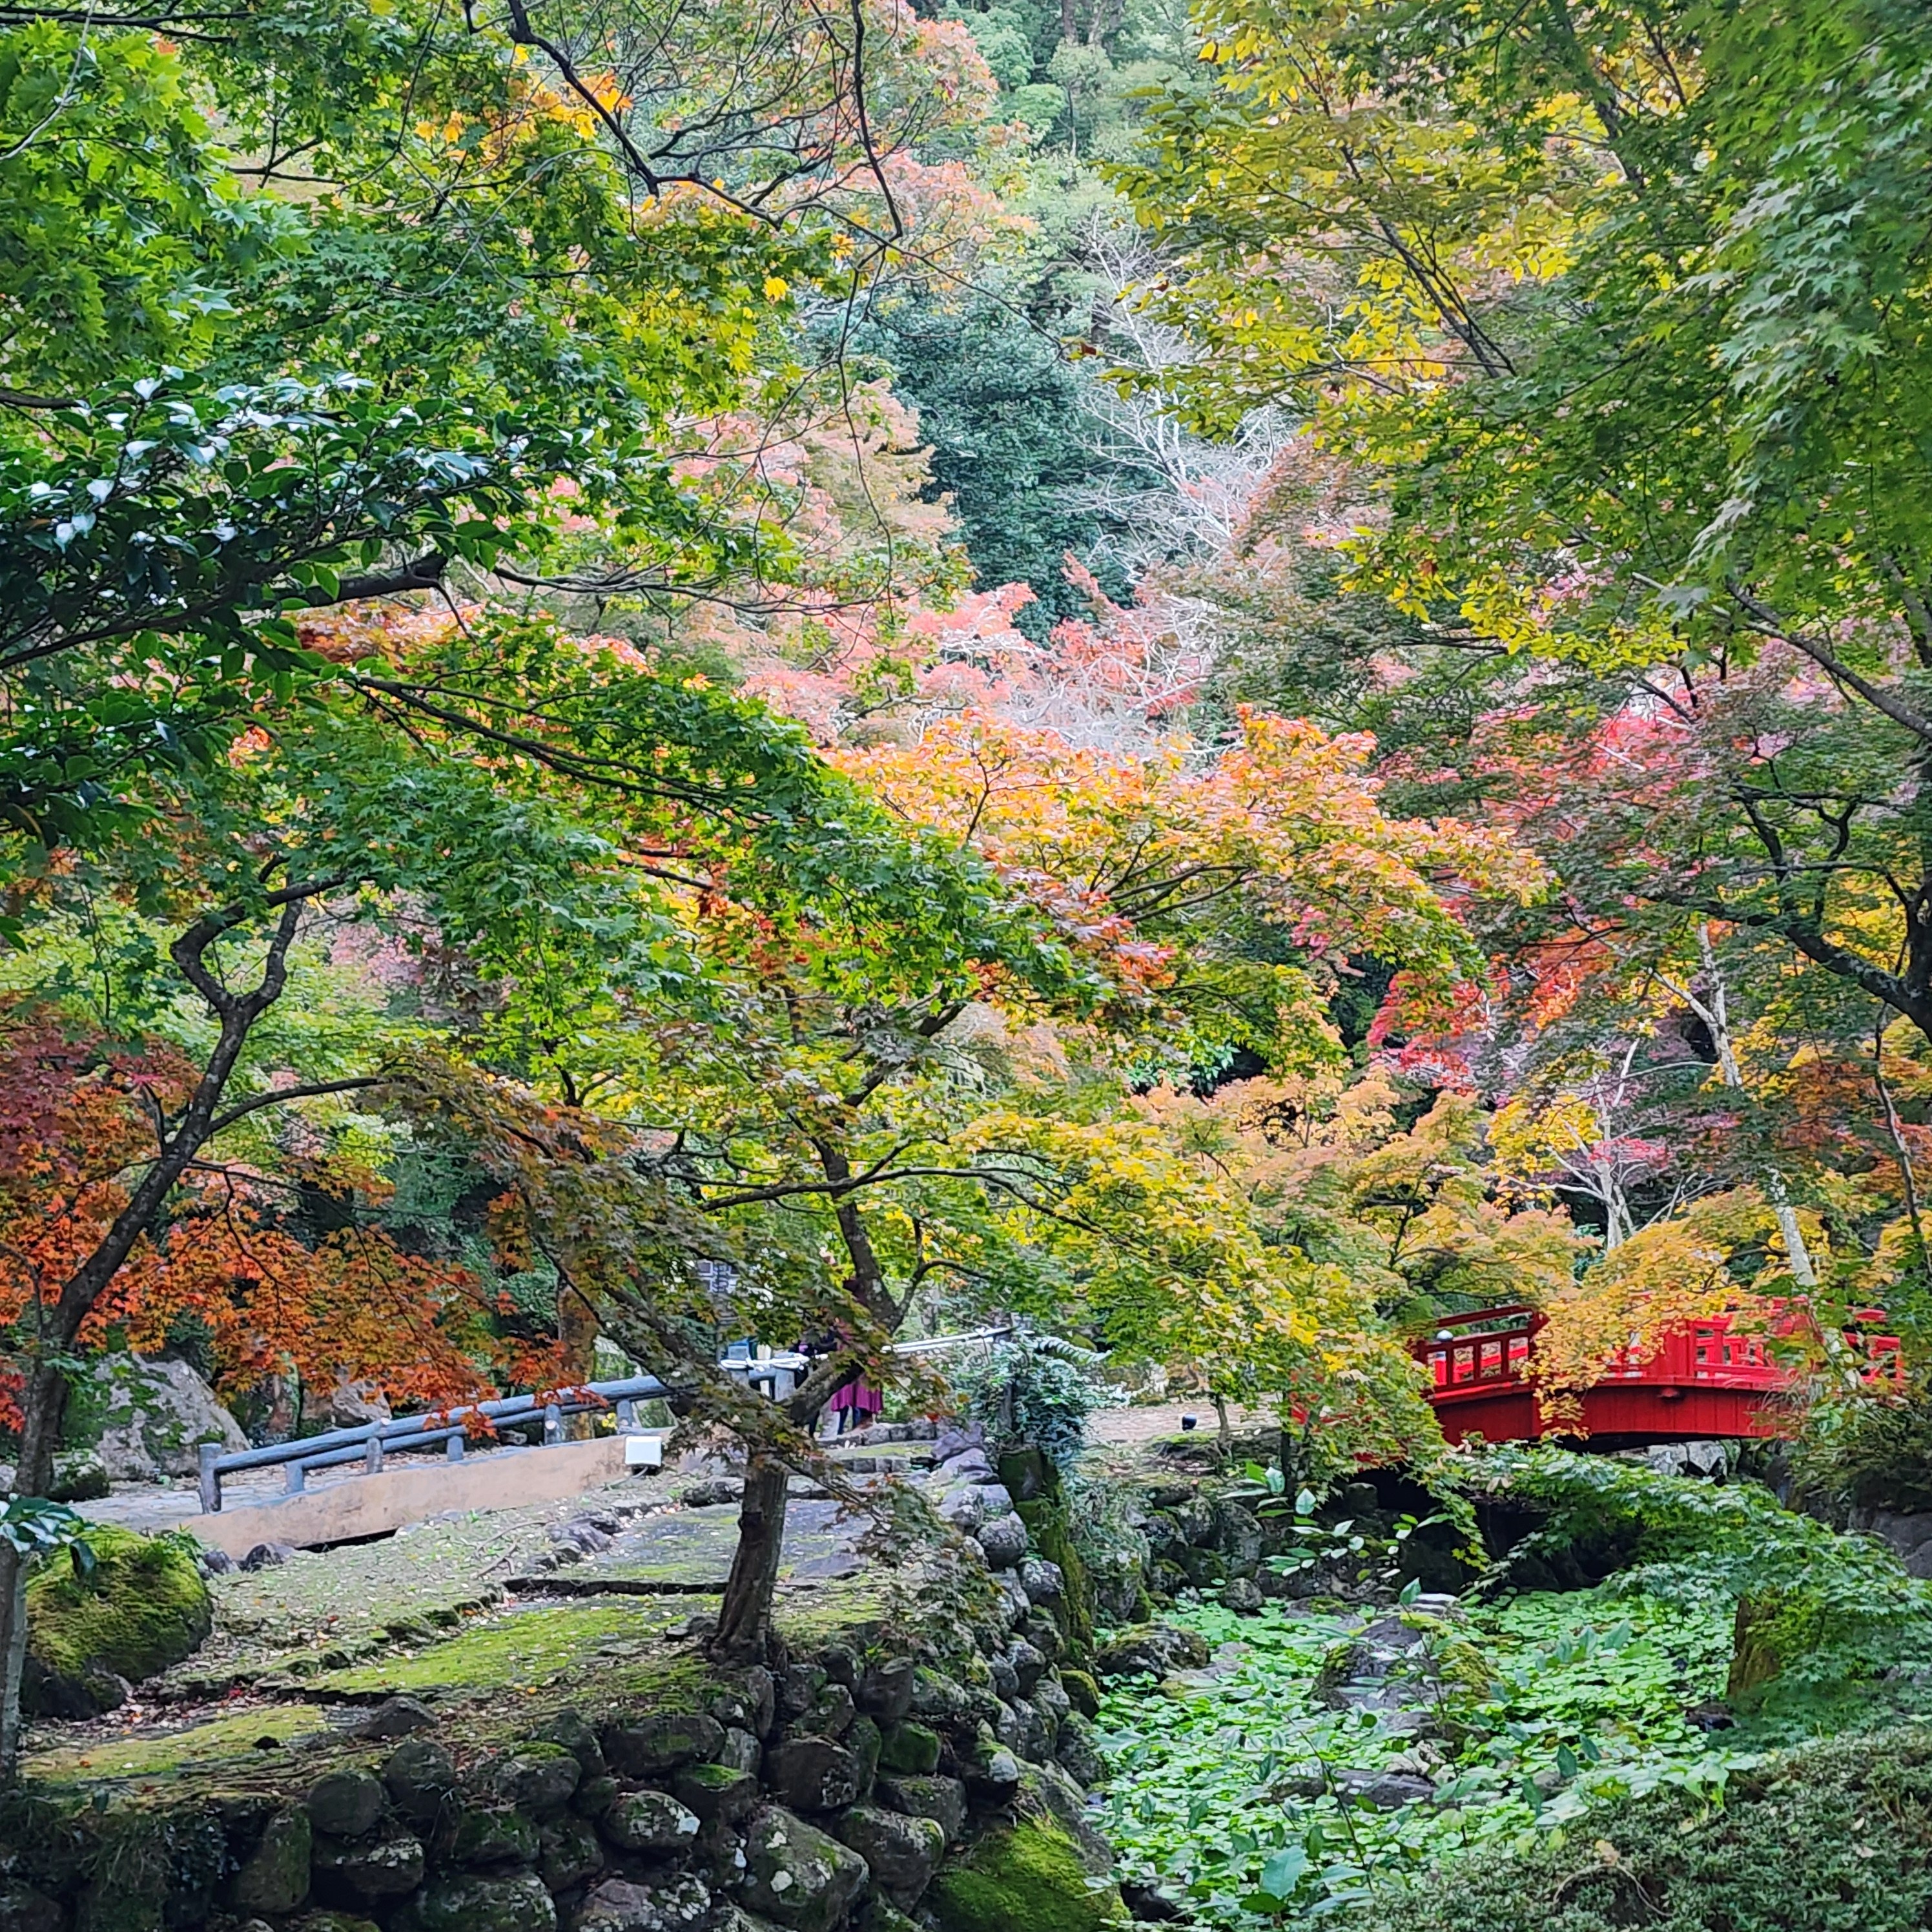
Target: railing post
(552, 1424)
(453, 1449)
(211, 1477)
(298, 1479)
(372, 1456)
(627, 1413)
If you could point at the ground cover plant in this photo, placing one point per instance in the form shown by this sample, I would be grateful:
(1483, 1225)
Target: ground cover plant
(1230, 1788)
(1639, 1638)
(1832, 1838)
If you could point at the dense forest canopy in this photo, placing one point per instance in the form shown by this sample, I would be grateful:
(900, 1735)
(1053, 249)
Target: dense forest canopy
(1234, 680)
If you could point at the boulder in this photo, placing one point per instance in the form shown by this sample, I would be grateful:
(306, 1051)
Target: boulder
(909, 1747)
(1077, 1751)
(144, 1606)
(969, 1504)
(1016, 1605)
(1041, 1631)
(1003, 1540)
(355, 1404)
(1043, 1582)
(652, 1822)
(885, 1691)
(962, 1508)
(569, 1851)
(901, 1851)
(153, 1417)
(325, 1921)
(471, 1902)
(1239, 1536)
(394, 1717)
(573, 1731)
(1149, 1650)
(956, 1439)
(346, 1803)
(1082, 1693)
(740, 1751)
(420, 1777)
(274, 1877)
(828, 1715)
(716, 1791)
(539, 1778)
(1384, 1790)
(673, 1905)
(746, 1701)
(840, 1662)
(367, 1868)
(813, 1774)
(936, 1697)
(595, 1796)
(1028, 1665)
(650, 1746)
(991, 1771)
(797, 1875)
(1021, 1729)
(80, 1476)
(1025, 1875)
(798, 1688)
(941, 1799)
(1242, 1594)
(865, 1740)
(492, 1835)
(1046, 1791)
(1050, 1700)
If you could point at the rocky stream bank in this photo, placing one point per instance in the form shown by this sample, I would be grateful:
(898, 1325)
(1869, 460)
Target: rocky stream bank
(561, 1754)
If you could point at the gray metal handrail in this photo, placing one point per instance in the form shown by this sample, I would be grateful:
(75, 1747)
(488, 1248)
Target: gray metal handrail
(370, 1443)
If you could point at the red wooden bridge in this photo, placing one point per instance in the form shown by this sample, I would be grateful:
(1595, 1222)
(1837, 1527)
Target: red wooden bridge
(1702, 1380)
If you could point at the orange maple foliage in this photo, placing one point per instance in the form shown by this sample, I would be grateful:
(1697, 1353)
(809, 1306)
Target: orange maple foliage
(75, 1124)
(1106, 842)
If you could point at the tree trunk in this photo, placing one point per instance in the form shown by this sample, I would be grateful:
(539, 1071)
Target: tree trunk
(43, 1401)
(1714, 1012)
(745, 1618)
(577, 1332)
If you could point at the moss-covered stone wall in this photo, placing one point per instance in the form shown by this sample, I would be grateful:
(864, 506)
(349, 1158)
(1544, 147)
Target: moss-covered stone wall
(582, 1765)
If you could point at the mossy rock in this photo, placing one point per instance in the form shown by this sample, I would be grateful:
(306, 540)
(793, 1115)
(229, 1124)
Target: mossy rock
(1047, 1523)
(1028, 1877)
(1082, 1691)
(143, 1607)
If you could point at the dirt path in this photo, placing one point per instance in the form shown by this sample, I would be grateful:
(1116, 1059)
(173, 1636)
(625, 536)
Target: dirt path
(1114, 1426)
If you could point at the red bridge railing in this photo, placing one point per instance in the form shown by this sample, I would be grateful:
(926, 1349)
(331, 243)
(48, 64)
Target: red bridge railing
(1708, 1377)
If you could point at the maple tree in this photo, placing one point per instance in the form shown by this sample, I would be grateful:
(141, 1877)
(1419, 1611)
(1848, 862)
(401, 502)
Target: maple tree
(354, 1308)
(619, 784)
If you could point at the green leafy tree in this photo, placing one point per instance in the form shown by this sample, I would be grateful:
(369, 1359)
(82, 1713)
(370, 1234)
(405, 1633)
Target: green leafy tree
(1621, 302)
